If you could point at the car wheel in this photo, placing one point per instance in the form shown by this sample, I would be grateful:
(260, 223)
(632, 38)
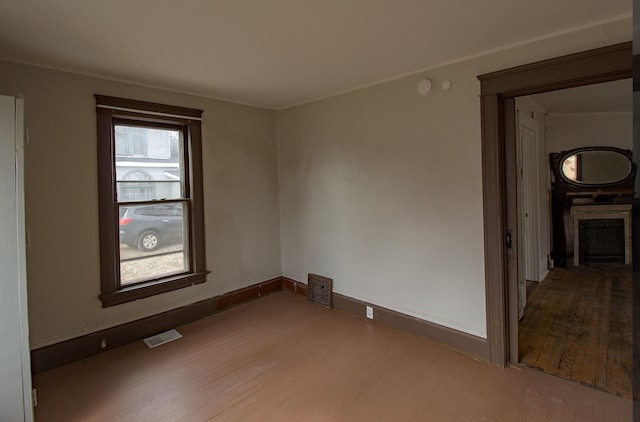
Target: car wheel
(148, 241)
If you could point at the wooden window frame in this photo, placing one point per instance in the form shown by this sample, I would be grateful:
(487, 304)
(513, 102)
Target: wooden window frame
(112, 110)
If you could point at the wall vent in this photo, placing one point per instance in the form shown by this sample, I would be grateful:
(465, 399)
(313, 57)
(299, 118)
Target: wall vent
(162, 338)
(320, 290)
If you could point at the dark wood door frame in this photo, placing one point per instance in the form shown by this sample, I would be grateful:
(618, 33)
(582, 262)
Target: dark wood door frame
(498, 91)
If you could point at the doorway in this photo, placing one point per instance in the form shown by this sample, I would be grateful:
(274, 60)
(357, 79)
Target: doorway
(577, 321)
(498, 92)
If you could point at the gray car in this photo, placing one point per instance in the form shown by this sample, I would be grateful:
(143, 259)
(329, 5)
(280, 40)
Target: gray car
(146, 227)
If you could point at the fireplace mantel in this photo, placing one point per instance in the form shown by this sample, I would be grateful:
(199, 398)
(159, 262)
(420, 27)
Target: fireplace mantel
(567, 194)
(601, 212)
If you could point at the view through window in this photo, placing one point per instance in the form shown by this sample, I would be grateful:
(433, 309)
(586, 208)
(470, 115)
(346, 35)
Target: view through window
(151, 202)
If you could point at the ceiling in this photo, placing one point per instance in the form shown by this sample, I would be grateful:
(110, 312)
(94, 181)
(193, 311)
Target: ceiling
(275, 53)
(607, 97)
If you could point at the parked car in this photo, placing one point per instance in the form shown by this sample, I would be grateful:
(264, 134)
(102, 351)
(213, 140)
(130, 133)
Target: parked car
(146, 227)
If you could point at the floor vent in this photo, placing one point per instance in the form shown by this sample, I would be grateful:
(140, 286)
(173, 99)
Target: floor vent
(162, 338)
(320, 290)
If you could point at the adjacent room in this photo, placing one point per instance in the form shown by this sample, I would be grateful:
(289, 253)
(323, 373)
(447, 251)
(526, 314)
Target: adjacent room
(575, 286)
(320, 198)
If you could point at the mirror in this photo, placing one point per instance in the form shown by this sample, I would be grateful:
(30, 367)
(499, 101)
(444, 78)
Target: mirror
(595, 166)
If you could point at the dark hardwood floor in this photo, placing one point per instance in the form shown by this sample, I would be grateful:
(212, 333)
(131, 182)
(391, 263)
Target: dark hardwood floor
(578, 326)
(281, 359)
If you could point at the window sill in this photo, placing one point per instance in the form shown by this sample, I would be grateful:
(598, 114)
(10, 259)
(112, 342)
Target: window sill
(141, 291)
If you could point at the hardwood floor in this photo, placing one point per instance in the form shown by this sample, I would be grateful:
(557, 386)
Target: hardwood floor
(578, 326)
(281, 359)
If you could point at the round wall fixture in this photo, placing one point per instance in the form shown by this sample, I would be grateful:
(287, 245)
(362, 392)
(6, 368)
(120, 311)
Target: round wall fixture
(445, 85)
(424, 87)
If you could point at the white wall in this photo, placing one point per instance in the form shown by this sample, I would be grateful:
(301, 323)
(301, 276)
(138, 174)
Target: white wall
(568, 131)
(240, 188)
(381, 188)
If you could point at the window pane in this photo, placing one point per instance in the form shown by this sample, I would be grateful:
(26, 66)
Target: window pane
(153, 241)
(149, 163)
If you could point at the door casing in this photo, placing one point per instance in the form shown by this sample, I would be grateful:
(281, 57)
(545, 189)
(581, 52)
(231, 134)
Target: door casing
(498, 91)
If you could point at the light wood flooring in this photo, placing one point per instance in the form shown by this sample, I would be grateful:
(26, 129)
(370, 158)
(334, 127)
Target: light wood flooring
(281, 359)
(578, 326)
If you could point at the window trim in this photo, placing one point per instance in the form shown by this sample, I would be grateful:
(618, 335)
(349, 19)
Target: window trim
(110, 110)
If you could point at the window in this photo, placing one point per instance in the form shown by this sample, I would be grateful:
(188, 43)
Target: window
(150, 199)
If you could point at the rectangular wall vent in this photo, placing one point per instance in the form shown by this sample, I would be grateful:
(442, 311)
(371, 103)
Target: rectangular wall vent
(162, 338)
(320, 290)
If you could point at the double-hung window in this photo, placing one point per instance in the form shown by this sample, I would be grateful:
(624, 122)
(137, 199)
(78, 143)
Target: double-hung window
(150, 199)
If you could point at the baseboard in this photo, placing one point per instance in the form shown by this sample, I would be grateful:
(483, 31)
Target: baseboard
(294, 286)
(248, 293)
(59, 354)
(468, 344)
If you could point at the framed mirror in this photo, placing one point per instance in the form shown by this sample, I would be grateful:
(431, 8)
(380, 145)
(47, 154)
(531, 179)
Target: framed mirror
(593, 166)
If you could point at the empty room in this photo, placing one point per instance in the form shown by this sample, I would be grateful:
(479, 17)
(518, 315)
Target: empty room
(313, 210)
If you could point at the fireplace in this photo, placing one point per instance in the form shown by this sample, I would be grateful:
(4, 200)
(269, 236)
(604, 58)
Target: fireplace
(601, 234)
(601, 241)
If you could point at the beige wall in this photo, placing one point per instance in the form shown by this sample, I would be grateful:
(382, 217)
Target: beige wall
(240, 186)
(568, 131)
(381, 188)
